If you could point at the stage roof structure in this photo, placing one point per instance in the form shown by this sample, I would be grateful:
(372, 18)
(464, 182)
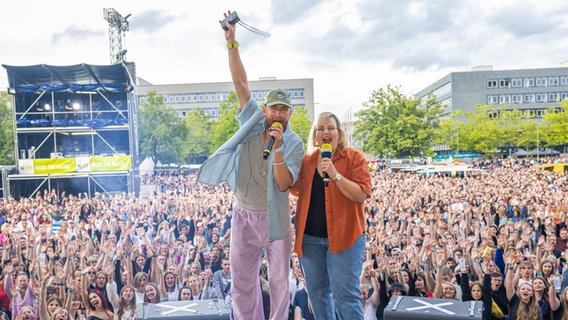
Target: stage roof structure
(79, 77)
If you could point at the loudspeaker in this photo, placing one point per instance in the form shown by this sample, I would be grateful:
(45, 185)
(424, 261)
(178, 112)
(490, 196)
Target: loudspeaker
(417, 308)
(192, 309)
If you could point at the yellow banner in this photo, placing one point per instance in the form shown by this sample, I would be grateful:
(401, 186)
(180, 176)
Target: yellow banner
(113, 163)
(51, 166)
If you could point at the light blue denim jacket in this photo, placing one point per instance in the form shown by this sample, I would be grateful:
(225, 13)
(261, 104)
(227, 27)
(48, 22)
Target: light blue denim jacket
(223, 166)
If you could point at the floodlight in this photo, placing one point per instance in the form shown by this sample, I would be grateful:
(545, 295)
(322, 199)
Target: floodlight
(76, 106)
(46, 107)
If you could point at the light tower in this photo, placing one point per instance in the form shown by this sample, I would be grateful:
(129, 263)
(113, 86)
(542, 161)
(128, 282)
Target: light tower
(117, 25)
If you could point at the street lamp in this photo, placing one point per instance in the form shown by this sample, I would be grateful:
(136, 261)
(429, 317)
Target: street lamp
(537, 143)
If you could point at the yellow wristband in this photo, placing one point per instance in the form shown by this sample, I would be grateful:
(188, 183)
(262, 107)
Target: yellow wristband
(232, 45)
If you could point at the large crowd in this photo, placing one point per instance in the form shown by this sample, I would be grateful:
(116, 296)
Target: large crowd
(493, 235)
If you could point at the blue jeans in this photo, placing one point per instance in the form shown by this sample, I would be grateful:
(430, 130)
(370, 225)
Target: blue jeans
(332, 279)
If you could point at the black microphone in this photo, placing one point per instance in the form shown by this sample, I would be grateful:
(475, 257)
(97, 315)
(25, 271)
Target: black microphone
(325, 153)
(270, 142)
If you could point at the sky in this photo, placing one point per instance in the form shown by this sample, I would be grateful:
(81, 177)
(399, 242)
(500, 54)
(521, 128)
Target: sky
(348, 47)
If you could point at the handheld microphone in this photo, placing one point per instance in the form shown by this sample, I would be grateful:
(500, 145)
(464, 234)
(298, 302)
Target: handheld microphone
(325, 153)
(270, 142)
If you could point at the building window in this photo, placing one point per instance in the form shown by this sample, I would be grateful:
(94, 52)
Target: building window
(505, 83)
(541, 82)
(516, 82)
(529, 97)
(176, 98)
(553, 81)
(564, 96)
(541, 97)
(517, 98)
(491, 84)
(539, 113)
(184, 114)
(505, 98)
(493, 114)
(553, 97)
(529, 82)
(564, 81)
(492, 99)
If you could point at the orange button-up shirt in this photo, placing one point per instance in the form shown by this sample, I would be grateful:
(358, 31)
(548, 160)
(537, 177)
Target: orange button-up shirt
(345, 218)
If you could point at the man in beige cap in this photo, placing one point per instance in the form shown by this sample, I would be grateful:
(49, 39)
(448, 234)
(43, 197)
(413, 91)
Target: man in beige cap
(261, 218)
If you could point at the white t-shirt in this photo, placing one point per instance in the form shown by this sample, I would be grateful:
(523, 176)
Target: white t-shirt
(370, 311)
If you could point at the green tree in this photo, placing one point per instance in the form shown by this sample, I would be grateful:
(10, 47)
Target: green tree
(198, 127)
(161, 132)
(227, 124)
(481, 131)
(392, 121)
(449, 131)
(526, 134)
(555, 124)
(485, 129)
(513, 126)
(301, 124)
(6, 130)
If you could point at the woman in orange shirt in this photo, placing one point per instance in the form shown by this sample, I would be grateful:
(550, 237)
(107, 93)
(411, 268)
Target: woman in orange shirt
(330, 220)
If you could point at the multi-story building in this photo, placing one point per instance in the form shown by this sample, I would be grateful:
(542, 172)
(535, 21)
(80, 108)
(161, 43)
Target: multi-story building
(532, 90)
(208, 96)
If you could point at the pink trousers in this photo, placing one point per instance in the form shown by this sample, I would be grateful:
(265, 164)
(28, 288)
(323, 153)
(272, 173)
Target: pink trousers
(249, 235)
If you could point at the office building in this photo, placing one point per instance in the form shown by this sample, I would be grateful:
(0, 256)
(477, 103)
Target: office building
(532, 90)
(208, 96)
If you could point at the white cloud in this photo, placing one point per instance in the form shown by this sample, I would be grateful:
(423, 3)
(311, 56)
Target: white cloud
(349, 47)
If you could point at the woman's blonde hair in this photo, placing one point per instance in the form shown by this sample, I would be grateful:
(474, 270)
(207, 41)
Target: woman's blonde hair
(123, 306)
(56, 312)
(528, 311)
(312, 144)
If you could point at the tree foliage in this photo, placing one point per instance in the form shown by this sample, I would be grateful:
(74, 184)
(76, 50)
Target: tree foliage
(198, 128)
(6, 130)
(301, 124)
(227, 124)
(489, 129)
(555, 126)
(162, 134)
(392, 121)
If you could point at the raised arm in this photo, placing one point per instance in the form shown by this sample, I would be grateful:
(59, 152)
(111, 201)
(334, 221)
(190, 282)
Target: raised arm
(84, 293)
(509, 286)
(552, 297)
(375, 297)
(44, 314)
(238, 72)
